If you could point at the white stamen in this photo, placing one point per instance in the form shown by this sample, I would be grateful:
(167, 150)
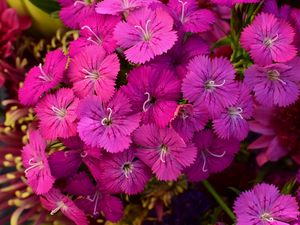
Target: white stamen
(182, 10)
(127, 168)
(106, 119)
(145, 31)
(274, 75)
(83, 154)
(267, 217)
(216, 155)
(32, 165)
(211, 84)
(145, 108)
(236, 111)
(163, 153)
(90, 75)
(58, 112)
(43, 75)
(93, 33)
(94, 199)
(204, 169)
(80, 2)
(269, 41)
(59, 206)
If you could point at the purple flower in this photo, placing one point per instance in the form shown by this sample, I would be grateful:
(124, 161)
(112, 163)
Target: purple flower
(210, 82)
(55, 201)
(269, 39)
(164, 151)
(145, 36)
(188, 17)
(92, 71)
(188, 119)
(232, 2)
(232, 121)
(214, 155)
(41, 79)
(275, 84)
(108, 125)
(264, 205)
(96, 30)
(153, 92)
(122, 172)
(36, 165)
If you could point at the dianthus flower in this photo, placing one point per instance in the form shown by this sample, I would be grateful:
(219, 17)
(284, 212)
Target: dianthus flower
(232, 2)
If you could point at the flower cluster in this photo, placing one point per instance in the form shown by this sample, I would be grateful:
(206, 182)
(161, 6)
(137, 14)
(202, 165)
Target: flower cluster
(141, 93)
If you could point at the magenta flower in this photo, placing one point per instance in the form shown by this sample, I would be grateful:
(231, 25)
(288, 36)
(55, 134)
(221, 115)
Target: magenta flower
(96, 30)
(264, 205)
(92, 71)
(164, 151)
(55, 201)
(188, 119)
(269, 39)
(210, 82)
(214, 155)
(36, 165)
(41, 79)
(188, 17)
(153, 92)
(74, 11)
(232, 123)
(232, 2)
(57, 114)
(122, 172)
(145, 36)
(275, 84)
(108, 125)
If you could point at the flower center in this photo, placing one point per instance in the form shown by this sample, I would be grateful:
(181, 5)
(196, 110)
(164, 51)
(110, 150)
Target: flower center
(269, 41)
(163, 152)
(204, 166)
(33, 164)
(182, 10)
(95, 199)
(210, 85)
(146, 33)
(97, 40)
(106, 121)
(149, 101)
(43, 76)
(267, 217)
(184, 114)
(127, 168)
(94, 75)
(59, 112)
(236, 111)
(60, 205)
(274, 75)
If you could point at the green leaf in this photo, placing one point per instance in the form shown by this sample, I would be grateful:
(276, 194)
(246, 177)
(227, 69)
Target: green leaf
(48, 6)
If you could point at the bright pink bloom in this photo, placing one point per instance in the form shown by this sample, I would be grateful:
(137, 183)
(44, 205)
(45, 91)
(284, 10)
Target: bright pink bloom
(41, 79)
(275, 84)
(57, 114)
(92, 71)
(36, 165)
(164, 151)
(188, 119)
(107, 126)
(232, 2)
(269, 39)
(55, 201)
(214, 155)
(210, 82)
(264, 205)
(154, 92)
(122, 172)
(145, 34)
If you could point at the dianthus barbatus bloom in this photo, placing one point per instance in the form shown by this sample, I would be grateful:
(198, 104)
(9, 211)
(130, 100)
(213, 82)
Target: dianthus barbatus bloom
(232, 121)
(214, 155)
(96, 30)
(57, 114)
(269, 39)
(154, 92)
(55, 201)
(232, 2)
(92, 71)
(41, 79)
(74, 11)
(164, 151)
(188, 119)
(210, 82)
(36, 165)
(145, 36)
(107, 126)
(188, 17)
(123, 173)
(275, 84)
(264, 205)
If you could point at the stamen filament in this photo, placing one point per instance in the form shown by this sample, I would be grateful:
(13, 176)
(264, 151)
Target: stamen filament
(94, 199)
(106, 119)
(33, 165)
(204, 169)
(80, 2)
(83, 154)
(146, 33)
(182, 10)
(90, 74)
(163, 153)
(60, 205)
(58, 112)
(211, 83)
(236, 111)
(216, 155)
(93, 33)
(43, 75)
(146, 102)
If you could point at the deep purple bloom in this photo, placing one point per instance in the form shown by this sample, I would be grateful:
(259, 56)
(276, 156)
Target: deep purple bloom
(164, 151)
(210, 82)
(269, 39)
(264, 205)
(153, 92)
(214, 155)
(107, 126)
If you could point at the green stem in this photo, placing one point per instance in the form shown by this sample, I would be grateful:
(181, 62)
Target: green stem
(218, 199)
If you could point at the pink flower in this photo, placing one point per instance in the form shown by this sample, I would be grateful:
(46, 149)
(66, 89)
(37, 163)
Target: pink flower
(214, 155)
(210, 82)
(55, 201)
(154, 92)
(57, 114)
(269, 39)
(147, 33)
(232, 2)
(36, 165)
(164, 151)
(41, 79)
(264, 205)
(92, 71)
(107, 126)
(122, 172)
